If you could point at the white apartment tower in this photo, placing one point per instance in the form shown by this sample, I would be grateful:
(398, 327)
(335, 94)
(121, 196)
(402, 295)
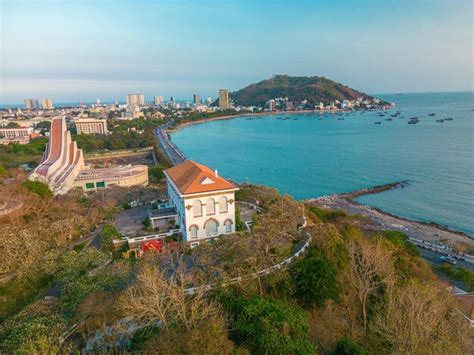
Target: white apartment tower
(224, 102)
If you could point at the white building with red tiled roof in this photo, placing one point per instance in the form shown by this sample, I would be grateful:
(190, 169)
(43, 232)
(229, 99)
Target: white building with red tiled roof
(205, 201)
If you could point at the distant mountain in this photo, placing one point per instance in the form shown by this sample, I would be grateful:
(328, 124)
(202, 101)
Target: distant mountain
(315, 89)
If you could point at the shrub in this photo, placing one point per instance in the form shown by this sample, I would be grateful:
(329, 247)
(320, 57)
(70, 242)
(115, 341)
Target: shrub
(315, 279)
(37, 187)
(268, 326)
(326, 215)
(346, 346)
(400, 239)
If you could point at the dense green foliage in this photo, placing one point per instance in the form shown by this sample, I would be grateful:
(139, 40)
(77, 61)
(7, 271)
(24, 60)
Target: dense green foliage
(267, 325)
(115, 141)
(461, 274)
(401, 240)
(347, 347)
(37, 187)
(108, 234)
(14, 154)
(315, 89)
(157, 172)
(326, 215)
(315, 279)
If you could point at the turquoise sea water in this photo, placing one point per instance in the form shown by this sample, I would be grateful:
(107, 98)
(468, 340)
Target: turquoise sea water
(309, 157)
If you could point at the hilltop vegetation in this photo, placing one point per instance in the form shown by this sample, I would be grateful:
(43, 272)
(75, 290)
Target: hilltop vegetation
(315, 89)
(350, 293)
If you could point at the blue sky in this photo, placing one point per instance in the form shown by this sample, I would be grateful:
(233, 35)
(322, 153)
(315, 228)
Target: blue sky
(73, 49)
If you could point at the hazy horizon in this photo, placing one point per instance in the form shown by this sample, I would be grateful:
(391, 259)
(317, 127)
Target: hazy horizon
(87, 49)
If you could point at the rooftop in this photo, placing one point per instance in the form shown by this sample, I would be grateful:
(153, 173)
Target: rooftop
(191, 178)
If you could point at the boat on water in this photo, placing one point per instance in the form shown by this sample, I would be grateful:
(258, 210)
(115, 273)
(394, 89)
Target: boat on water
(449, 119)
(388, 119)
(377, 122)
(412, 122)
(431, 114)
(440, 121)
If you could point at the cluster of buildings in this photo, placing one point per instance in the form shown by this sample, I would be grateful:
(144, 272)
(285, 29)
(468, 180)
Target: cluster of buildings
(33, 104)
(284, 104)
(62, 166)
(19, 135)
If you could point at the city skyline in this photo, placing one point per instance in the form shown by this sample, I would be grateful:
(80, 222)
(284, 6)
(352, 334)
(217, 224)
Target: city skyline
(86, 50)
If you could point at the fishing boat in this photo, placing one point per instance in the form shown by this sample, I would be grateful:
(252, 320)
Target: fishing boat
(431, 114)
(440, 121)
(378, 122)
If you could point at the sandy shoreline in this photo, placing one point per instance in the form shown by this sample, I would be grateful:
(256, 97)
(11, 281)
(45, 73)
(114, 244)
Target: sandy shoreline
(205, 120)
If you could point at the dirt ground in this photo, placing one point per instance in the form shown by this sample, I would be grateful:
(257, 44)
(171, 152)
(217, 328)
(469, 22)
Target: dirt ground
(129, 222)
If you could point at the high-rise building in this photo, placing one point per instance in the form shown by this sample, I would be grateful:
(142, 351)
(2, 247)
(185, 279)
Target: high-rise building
(28, 104)
(97, 102)
(172, 99)
(271, 104)
(196, 99)
(31, 104)
(47, 104)
(158, 100)
(135, 99)
(224, 102)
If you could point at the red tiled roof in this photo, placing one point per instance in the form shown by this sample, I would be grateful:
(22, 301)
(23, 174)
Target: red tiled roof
(191, 178)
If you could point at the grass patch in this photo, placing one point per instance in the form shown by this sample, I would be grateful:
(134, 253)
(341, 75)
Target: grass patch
(326, 215)
(459, 274)
(17, 293)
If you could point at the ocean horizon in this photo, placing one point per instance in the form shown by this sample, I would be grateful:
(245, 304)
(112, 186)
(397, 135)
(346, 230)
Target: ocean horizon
(311, 155)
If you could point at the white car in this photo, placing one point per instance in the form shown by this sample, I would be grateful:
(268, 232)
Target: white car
(448, 259)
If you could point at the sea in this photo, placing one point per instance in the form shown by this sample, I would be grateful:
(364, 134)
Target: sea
(310, 155)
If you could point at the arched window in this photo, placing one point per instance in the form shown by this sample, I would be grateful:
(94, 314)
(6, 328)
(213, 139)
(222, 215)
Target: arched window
(223, 205)
(193, 231)
(211, 227)
(228, 226)
(210, 207)
(197, 208)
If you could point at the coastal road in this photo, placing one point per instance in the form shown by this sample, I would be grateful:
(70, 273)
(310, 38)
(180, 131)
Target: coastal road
(434, 258)
(171, 151)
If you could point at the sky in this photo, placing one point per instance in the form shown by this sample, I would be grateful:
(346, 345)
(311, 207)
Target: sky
(87, 49)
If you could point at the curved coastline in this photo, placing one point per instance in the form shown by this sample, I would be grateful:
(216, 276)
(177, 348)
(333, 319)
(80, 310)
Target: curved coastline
(228, 117)
(441, 227)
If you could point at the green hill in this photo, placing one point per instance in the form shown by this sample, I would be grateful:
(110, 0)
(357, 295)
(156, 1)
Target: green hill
(315, 89)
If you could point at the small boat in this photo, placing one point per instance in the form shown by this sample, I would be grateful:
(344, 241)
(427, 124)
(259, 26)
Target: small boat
(449, 119)
(412, 122)
(440, 121)
(378, 122)
(388, 119)
(431, 114)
